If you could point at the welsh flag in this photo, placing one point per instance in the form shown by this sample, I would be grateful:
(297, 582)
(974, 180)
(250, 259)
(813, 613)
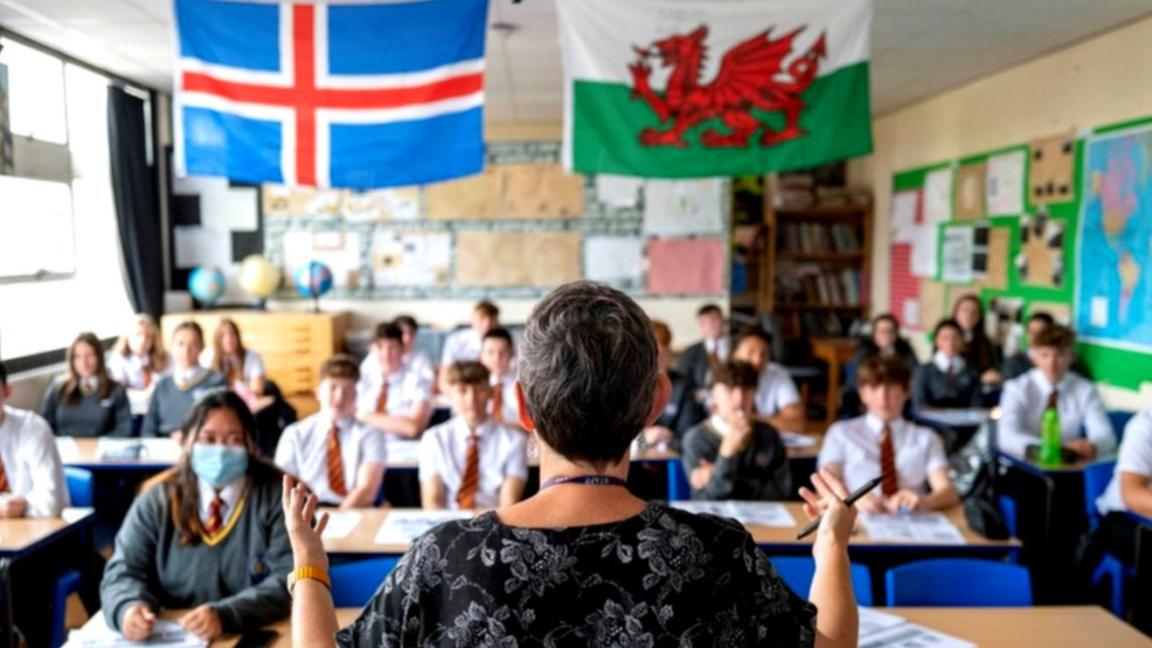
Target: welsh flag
(683, 88)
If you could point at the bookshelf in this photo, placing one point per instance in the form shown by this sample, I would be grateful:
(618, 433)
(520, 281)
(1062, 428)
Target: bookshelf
(815, 277)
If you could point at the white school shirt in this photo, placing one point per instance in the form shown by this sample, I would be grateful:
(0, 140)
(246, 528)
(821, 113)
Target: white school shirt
(416, 361)
(1135, 457)
(461, 345)
(510, 413)
(719, 346)
(503, 455)
(303, 452)
(32, 462)
(253, 363)
(775, 391)
(855, 445)
(1025, 398)
(230, 494)
(129, 370)
(944, 363)
(406, 390)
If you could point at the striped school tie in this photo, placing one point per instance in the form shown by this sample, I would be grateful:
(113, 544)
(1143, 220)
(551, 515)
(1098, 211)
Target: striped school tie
(335, 463)
(1053, 401)
(470, 481)
(4, 486)
(215, 515)
(382, 399)
(891, 482)
(498, 403)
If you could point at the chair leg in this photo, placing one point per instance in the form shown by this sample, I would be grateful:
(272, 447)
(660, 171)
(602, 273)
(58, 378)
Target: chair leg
(67, 584)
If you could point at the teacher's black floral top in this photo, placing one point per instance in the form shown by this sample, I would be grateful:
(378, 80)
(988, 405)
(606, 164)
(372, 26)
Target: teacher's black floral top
(662, 578)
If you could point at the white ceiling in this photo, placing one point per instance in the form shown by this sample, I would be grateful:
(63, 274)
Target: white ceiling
(920, 47)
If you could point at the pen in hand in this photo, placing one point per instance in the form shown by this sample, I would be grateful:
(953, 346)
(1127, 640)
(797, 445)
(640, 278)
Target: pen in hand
(852, 498)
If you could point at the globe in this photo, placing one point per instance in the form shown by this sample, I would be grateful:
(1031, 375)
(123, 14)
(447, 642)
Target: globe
(206, 284)
(258, 277)
(313, 280)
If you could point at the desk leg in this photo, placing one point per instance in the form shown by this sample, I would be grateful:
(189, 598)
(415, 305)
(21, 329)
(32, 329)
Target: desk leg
(1141, 597)
(7, 624)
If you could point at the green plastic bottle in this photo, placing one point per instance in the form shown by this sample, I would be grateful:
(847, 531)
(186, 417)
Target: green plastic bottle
(1050, 437)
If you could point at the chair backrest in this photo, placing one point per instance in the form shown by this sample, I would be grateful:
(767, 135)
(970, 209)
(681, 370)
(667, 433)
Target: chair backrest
(797, 572)
(1119, 420)
(1008, 511)
(354, 583)
(678, 487)
(958, 582)
(81, 486)
(1096, 479)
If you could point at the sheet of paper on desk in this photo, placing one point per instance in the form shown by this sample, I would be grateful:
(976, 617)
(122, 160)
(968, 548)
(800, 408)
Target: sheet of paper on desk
(956, 417)
(916, 528)
(402, 527)
(772, 514)
(341, 524)
(67, 448)
(910, 635)
(110, 448)
(794, 440)
(161, 449)
(97, 634)
(872, 620)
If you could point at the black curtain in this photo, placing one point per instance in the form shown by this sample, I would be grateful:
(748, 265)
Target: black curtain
(134, 186)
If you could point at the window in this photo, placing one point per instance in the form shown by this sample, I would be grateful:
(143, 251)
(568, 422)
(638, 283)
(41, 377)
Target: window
(60, 266)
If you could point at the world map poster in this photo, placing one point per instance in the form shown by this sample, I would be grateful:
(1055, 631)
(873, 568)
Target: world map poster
(1114, 292)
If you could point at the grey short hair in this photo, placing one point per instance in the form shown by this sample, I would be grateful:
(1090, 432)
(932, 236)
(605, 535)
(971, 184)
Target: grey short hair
(588, 370)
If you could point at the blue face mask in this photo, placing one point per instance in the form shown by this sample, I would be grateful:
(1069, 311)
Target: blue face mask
(218, 464)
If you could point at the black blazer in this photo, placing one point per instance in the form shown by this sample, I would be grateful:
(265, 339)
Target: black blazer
(694, 364)
(682, 411)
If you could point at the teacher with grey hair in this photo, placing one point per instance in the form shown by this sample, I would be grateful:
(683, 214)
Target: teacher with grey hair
(583, 562)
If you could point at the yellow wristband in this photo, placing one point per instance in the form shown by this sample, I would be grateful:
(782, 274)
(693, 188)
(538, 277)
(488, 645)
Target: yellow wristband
(308, 572)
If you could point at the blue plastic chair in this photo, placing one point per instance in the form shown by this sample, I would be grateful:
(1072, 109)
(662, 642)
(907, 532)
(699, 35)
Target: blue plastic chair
(1119, 420)
(81, 486)
(1097, 476)
(1008, 511)
(958, 582)
(354, 583)
(797, 572)
(66, 584)
(678, 487)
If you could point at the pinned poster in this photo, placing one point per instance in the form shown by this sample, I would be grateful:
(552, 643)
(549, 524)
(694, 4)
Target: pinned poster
(618, 191)
(541, 191)
(1004, 184)
(338, 250)
(614, 259)
(686, 266)
(1040, 261)
(938, 196)
(1053, 159)
(958, 254)
(925, 250)
(683, 207)
(540, 259)
(473, 198)
(905, 207)
(411, 258)
(383, 204)
(202, 246)
(969, 204)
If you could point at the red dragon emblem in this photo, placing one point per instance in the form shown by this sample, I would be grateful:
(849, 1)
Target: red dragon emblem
(747, 80)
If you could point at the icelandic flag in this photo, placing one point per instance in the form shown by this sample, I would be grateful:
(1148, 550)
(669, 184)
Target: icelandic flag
(333, 94)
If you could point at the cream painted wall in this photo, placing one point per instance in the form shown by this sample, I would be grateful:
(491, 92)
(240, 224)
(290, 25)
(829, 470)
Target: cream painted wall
(1099, 81)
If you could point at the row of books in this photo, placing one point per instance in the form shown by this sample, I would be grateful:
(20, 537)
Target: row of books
(818, 238)
(826, 323)
(812, 284)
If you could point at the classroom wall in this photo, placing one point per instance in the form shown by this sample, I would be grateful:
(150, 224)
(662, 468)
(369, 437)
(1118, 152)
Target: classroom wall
(1095, 82)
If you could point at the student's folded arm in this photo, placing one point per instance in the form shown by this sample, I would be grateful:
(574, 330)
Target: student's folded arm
(127, 575)
(267, 601)
(1136, 493)
(942, 493)
(368, 478)
(410, 425)
(433, 495)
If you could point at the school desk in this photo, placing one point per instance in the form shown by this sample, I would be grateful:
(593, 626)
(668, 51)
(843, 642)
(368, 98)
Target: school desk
(25, 539)
(83, 453)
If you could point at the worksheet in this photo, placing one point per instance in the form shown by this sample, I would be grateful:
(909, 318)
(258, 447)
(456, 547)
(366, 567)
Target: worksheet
(773, 514)
(341, 524)
(911, 528)
(402, 527)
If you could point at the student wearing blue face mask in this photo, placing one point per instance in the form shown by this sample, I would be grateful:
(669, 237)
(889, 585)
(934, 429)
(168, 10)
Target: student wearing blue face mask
(207, 536)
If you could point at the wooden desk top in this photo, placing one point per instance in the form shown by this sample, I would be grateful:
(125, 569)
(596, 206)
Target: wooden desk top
(1034, 626)
(84, 452)
(1035, 466)
(17, 536)
(361, 540)
(1053, 627)
(834, 348)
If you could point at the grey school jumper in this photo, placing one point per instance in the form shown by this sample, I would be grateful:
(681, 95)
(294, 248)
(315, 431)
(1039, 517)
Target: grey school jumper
(243, 576)
(91, 416)
(760, 472)
(170, 404)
